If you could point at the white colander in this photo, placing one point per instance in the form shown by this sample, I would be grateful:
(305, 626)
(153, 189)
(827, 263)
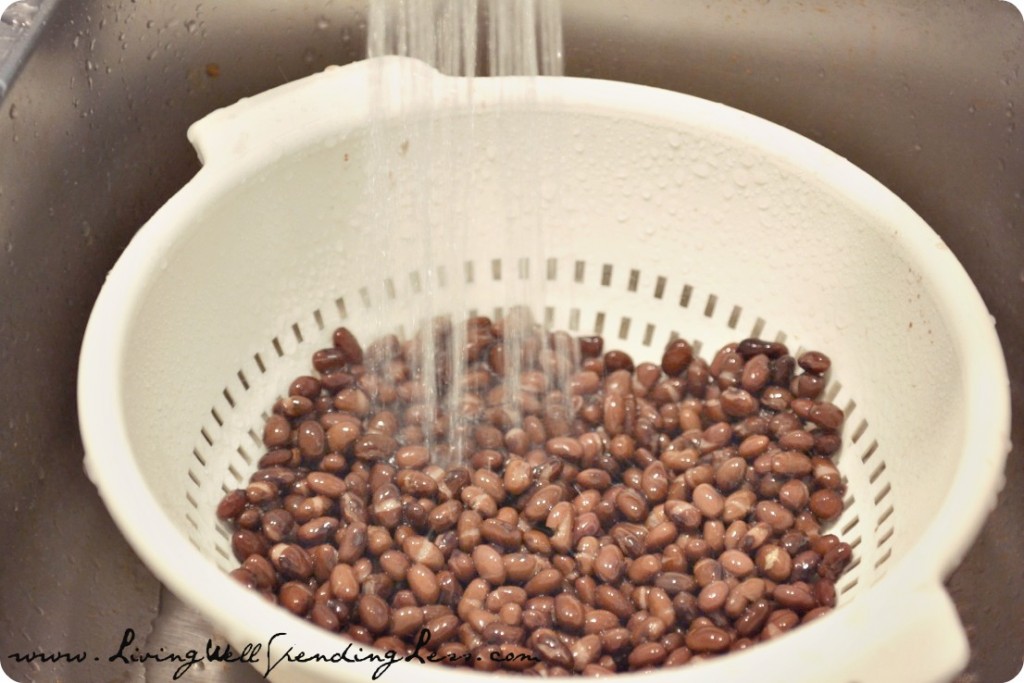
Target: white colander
(673, 216)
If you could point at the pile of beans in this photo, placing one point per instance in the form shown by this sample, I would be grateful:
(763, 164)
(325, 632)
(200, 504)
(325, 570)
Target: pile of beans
(644, 516)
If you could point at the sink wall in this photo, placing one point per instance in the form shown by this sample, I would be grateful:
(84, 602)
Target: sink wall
(92, 142)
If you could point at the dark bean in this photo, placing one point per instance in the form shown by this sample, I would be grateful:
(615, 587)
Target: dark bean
(423, 583)
(317, 530)
(647, 655)
(677, 357)
(325, 484)
(835, 561)
(794, 597)
(420, 549)
(738, 402)
(327, 360)
(774, 562)
(244, 577)
(503, 534)
(826, 504)
(374, 613)
(349, 346)
(617, 360)
(231, 505)
(609, 598)
(545, 582)
(311, 439)
(548, 645)
(826, 415)
(707, 639)
(291, 560)
(753, 618)
(814, 361)
(709, 501)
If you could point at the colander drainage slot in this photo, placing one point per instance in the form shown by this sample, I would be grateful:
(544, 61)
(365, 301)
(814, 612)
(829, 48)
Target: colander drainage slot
(659, 287)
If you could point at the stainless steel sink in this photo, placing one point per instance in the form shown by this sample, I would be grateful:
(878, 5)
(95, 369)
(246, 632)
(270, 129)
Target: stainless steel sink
(922, 95)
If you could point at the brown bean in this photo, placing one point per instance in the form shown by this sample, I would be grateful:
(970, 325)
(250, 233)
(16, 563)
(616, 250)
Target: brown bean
(708, 500)
(647, 655)
(442, 628)
(342, 435)
(738, 403)
(712, 596)
(420, 549)
(774, 562)
(610, 564)
(547, 644)
(794, 495)
(231, 505)
(500, 533)
(753, 618)
(737, 563)
(707, 639)
(311, 439)
(325, 484)
(610, 598)
(317, 530)
(568, 612)
(423, 583)
(644, 569)
(774, 515)
(296, 597)
(544, 582)
(277, 432)
(291, 560)
(489, 564)
(791, 464)
(794, 597)
(677, 357)
(540, 503)
(826, 415)
(631, 505)
(826, 504)
(519, 567)
(614, 414)
(683, 514)
(835, 561)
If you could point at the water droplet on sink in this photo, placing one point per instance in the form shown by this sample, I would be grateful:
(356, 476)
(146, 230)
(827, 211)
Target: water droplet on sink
(20, 14)
(322, 23)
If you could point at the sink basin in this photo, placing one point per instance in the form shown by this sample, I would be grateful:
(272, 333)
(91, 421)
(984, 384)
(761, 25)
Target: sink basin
(92, 142)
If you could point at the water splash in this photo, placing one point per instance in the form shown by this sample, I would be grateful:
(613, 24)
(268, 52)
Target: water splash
(467, 39)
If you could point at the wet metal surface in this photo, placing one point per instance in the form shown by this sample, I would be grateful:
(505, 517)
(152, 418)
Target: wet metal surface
(924, 96)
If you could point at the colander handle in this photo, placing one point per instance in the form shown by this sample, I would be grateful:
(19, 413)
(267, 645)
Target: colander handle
(258, 128)
(916, 637)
